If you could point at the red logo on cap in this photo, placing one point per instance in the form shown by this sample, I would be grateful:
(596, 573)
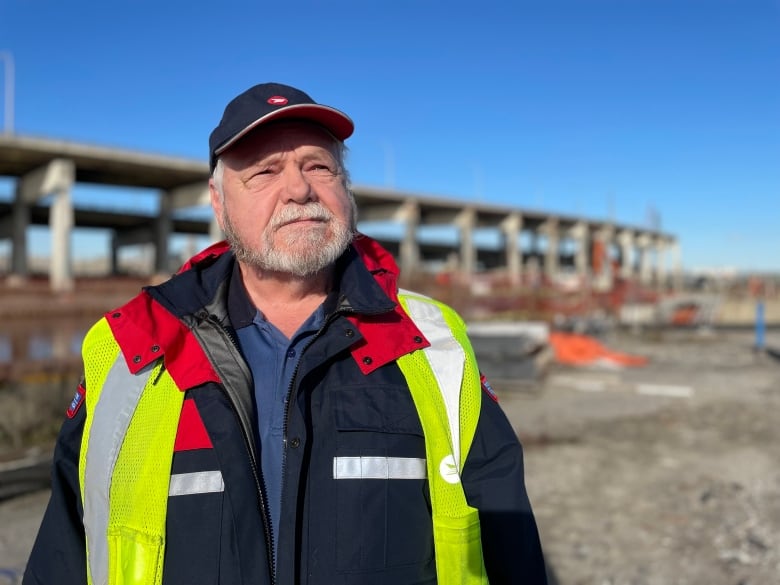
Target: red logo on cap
(277, 100)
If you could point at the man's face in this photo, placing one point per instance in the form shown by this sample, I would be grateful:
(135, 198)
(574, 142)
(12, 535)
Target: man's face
(284, 205)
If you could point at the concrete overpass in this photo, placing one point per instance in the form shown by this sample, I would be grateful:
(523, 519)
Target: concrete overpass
(42, 167)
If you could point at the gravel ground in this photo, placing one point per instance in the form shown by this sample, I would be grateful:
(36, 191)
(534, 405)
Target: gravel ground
(661, 475)
(665, 474)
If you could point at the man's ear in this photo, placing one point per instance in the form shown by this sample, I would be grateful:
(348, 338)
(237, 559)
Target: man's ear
(217, 203)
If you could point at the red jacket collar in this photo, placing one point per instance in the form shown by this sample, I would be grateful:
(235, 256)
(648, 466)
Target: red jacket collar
(388, 336)
(146, 331)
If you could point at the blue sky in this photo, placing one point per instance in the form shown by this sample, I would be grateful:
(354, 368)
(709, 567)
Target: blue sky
(604, 108)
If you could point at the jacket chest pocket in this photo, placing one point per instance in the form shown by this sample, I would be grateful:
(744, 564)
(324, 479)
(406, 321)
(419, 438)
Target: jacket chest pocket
(383, 514)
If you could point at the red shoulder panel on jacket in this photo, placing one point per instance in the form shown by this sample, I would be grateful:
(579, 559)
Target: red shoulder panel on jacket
(191, 433)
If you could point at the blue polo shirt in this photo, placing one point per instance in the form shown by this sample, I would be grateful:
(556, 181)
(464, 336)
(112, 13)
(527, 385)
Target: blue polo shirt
(273, 359)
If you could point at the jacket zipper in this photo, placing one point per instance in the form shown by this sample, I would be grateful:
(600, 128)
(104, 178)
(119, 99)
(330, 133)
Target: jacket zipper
(248, 435)
(259, 482)
(289, 397)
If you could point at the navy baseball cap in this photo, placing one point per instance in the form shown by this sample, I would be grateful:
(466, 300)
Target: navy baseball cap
(272, 101)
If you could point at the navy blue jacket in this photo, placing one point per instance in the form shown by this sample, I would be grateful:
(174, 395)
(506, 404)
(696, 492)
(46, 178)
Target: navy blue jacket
(348, 398)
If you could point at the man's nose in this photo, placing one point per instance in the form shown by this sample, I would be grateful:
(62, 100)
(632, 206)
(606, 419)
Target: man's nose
(296, 186)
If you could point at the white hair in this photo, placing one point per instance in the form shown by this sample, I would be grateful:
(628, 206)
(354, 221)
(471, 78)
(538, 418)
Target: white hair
(217, 175)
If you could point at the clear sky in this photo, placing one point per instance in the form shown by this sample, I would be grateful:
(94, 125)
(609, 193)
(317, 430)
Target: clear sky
(615, 109)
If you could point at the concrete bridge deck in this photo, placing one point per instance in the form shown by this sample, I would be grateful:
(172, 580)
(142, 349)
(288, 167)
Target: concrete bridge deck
(42, 167)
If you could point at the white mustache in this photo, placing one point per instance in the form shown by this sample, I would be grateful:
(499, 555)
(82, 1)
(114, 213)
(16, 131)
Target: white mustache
(311, 211)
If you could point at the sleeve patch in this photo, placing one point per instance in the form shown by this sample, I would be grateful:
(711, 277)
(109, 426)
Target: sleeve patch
(77, 400)
(488, 388)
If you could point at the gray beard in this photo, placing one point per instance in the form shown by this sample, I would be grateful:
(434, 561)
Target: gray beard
(307, 252)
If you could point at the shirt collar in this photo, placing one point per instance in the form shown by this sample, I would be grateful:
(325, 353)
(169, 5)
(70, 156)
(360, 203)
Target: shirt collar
(241, 311)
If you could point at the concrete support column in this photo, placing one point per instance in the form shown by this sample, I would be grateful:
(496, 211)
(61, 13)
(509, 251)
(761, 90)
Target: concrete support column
(163, 226)
(660, 265)
(533, 269)
(466, 221)
(114, 261)
(61, 223)
(601, 261)
(409, 253)
(20, 220)
(56, 178)
(511, 227)
(644, 241)
(579, 233)
(625, 240)
(551, 255)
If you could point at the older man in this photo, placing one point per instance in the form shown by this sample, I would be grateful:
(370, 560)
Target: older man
(279, 412)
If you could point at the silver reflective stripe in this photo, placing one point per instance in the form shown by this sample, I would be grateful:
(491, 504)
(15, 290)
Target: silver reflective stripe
(379, 468)
(203, 482)
(113, 411)
(445, 356)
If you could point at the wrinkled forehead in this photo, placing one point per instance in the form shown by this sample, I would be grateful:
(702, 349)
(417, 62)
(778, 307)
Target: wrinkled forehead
(280, 137)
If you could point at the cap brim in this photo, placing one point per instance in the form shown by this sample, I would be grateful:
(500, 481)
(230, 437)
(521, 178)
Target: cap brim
(336, 122)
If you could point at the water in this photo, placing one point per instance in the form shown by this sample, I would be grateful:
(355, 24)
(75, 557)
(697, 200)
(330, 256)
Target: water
(33, 340)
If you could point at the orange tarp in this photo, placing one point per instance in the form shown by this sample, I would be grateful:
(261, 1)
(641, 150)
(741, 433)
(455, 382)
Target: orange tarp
(685, 315)
(574, 349)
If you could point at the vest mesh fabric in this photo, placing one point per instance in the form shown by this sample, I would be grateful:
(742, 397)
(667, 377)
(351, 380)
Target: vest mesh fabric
(456, 527)
(133, 550)
(99, 352)
(141, 481)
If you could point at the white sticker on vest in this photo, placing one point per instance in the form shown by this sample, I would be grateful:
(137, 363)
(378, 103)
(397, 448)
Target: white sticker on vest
(448, 469)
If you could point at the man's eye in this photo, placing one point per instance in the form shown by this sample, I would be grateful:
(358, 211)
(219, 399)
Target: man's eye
(258, 178)
(260, 174)
(321, 169)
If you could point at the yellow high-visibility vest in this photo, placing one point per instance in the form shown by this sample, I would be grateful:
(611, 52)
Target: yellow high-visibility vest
(444, 382)
(125, 485)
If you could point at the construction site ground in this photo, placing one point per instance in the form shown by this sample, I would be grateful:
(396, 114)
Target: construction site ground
(663, 474)
(658, 475)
